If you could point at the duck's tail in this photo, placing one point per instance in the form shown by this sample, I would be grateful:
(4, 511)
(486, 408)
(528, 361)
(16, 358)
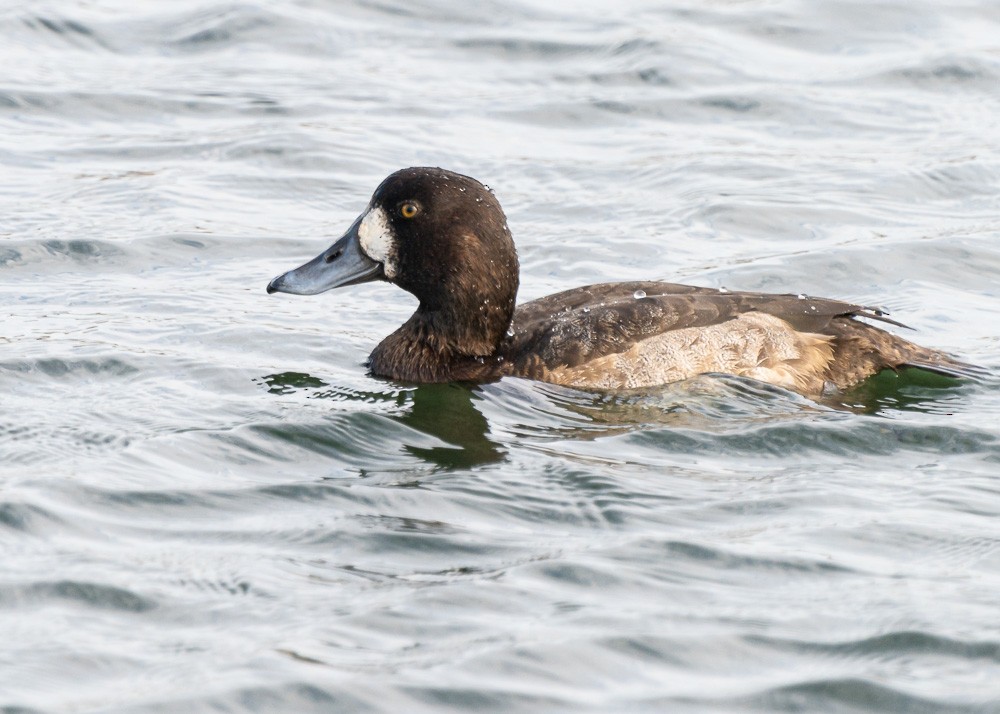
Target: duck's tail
(862, 350)
(945, 365)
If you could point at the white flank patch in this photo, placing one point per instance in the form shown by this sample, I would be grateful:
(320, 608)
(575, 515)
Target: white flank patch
(378, 241)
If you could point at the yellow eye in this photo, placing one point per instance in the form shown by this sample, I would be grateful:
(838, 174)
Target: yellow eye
(409, 209)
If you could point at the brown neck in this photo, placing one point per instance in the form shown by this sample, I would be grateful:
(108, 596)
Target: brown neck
(437, 346)
(469, 328)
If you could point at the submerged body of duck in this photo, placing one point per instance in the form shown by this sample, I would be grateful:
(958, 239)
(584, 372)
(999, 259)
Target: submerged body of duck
(443, 237)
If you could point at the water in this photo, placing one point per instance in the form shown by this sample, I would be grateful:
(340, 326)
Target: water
(207, 505)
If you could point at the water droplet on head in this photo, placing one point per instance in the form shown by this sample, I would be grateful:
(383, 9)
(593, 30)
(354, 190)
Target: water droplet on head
(639, 294)
(510, 332)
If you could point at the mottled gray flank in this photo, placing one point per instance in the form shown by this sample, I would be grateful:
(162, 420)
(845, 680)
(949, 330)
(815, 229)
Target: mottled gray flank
(641, 333)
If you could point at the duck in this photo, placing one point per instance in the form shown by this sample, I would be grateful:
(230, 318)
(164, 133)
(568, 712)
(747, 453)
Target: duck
(443, 237)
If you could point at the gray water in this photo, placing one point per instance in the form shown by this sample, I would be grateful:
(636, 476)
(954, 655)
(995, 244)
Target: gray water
(206, 504)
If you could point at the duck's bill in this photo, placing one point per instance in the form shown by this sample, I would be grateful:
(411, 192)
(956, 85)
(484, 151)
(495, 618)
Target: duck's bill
(343, 263)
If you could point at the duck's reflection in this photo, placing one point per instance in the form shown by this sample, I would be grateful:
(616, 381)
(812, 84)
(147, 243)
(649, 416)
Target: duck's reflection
(288, 382)
(454, 413)
(909, 390)
(447, 412)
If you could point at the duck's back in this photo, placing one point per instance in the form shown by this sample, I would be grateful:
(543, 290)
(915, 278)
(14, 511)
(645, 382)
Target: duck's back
(640, 334)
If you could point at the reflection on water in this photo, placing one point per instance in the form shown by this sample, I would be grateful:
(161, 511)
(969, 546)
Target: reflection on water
(749, 412)
(913, 390)
(448, 411)
(444, 411)
(288, 382)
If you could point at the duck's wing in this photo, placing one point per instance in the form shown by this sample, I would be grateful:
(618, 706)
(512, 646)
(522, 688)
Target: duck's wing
(578, 326)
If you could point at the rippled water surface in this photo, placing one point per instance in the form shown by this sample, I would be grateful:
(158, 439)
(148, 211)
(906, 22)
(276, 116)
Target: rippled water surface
(206, 504)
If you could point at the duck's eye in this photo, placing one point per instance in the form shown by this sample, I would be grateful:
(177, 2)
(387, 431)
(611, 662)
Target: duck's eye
(409, 209)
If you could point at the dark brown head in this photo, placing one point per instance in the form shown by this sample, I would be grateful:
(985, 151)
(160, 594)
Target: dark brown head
(439, 235)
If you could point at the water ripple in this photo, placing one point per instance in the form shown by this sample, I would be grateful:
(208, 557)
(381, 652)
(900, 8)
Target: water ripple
(91, 595)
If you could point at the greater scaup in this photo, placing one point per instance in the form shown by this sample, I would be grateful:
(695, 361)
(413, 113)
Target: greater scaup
(443, 237)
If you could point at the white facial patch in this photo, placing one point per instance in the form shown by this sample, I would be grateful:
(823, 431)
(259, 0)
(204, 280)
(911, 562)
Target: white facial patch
(378, 240)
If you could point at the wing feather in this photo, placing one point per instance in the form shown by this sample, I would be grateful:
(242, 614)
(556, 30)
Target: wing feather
(573, 327)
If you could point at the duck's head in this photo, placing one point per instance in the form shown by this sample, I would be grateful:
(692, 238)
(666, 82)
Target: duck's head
(437, 234)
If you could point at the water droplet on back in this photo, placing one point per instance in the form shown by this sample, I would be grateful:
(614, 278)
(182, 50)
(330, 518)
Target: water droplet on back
(639, 294)
(801, 296)
(723, 290)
